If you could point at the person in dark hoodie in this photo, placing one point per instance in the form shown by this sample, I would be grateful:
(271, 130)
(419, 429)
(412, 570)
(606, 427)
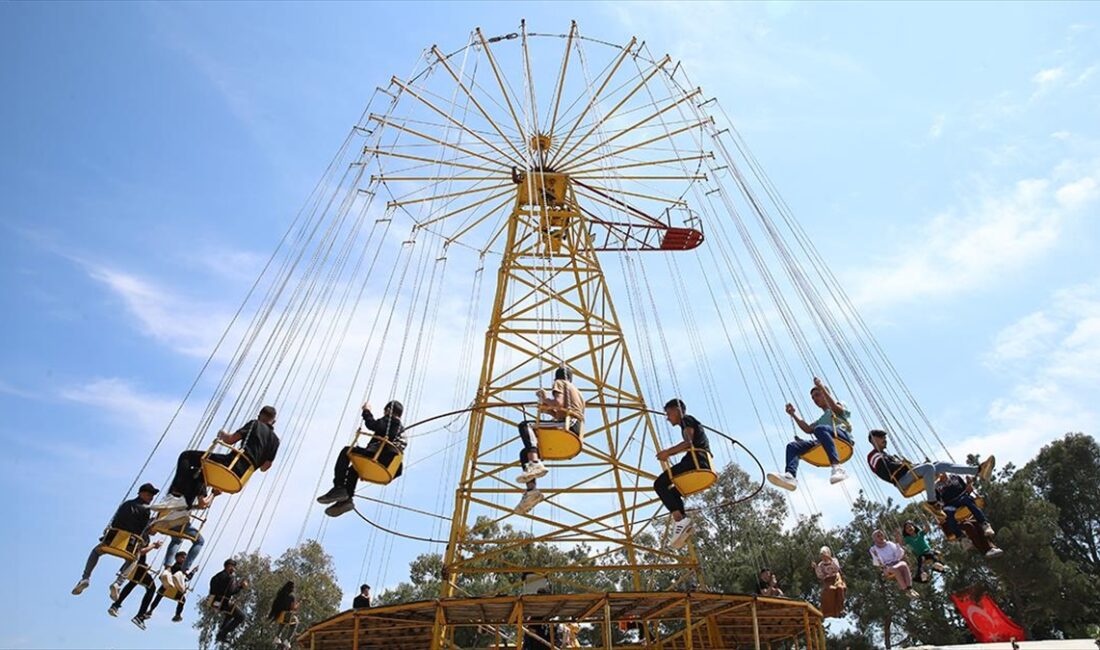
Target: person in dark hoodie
(344, 476)
(224, 586)
(284, 613)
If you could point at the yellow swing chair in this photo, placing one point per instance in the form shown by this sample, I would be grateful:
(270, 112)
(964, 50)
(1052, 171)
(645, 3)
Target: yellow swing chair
(817, 457)
(699, 477)
(120, 543)
(229, 477)
(370, 465)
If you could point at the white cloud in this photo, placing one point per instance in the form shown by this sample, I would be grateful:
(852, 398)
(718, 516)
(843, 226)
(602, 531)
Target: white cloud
(1024, 338)
(1049, 76)
(1055, 354)
(936, 130)
(186, 326)
(1078, 194)
(121, 401)
(1061, 135)
(971, 247)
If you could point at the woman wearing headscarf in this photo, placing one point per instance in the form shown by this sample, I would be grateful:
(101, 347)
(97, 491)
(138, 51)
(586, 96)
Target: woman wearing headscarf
(833, 588)
(890, 557)
(284, 613)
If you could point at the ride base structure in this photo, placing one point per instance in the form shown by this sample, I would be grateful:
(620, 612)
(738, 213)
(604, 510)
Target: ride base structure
(550, 267)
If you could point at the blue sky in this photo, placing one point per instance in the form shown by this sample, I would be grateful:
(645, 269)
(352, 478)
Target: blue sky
(945, 157)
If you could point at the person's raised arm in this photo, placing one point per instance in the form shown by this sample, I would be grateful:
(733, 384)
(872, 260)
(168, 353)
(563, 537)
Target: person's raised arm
(830, 403)
(806, 428)
(370, 422)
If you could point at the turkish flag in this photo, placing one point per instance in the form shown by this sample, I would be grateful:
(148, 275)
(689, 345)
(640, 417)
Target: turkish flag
(985, 619)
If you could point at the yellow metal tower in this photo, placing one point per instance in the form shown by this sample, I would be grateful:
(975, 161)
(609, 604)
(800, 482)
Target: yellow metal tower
(552, 306)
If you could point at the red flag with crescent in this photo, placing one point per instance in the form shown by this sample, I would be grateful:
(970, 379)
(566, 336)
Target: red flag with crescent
(985, 619)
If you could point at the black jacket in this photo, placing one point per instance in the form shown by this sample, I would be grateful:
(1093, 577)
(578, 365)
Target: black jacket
(132, 516)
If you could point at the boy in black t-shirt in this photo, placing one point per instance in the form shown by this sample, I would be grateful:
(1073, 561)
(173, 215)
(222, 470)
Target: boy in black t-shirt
(694, 437)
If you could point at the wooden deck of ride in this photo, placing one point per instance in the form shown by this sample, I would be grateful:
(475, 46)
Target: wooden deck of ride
(717, 621)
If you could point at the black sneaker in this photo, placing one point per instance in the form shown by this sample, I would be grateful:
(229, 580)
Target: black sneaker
(335, 495)
(177, 618)
(113, 610)
(138, 621)
(339, 508)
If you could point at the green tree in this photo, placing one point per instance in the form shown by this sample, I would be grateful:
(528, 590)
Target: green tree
(315, 587)
(1065, 474)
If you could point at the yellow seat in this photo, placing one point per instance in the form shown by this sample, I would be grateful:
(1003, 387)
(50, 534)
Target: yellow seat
(914, 488)
(231, 477)
(177, 528)
(371, 467)
(699, 477)
(120, 543)
(817, 457)
(962, 514)
(140, 574)
(556, 441)
(172, 593)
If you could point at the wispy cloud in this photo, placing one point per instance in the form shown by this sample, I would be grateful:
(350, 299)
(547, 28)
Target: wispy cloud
(187, 326)
(1055, 353)
(123, 402)
(1048, 78)
(969, 247)
(936, 130)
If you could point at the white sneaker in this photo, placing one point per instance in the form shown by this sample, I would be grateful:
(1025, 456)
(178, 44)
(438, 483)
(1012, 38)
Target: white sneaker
(913, 593)
(170, 518)
(994, 552)
(115, 591)
(535, 469)
(530, 499)
(681, 532)
(939, 566)
(838, 474)
(170, 502)
(786, 481)
(80, 587)
(987, 529)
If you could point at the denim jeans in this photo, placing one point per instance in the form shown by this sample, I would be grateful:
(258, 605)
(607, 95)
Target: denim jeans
(824, 437)
(928, 472)
(952, 524)
(192, 553)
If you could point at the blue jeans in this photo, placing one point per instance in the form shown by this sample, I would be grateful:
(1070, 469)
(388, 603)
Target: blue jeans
(824, 437)
(952, 524)
(928, 471)
(192, 553)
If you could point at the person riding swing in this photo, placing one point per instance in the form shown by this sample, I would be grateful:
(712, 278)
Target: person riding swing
(955, 494)
(905, 475)
(344, 475)
(832, 425)
(697, 446)
(564, 404)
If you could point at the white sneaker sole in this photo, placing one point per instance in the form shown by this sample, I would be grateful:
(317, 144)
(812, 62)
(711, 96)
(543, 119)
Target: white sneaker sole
(678, 541)
(837, 479)
(779, 481)
(538, 472)
(527, 506)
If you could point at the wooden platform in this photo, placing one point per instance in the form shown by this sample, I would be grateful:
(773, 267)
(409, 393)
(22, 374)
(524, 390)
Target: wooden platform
(609, 620)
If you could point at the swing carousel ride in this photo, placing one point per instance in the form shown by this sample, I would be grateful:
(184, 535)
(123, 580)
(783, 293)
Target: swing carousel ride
(579, 170)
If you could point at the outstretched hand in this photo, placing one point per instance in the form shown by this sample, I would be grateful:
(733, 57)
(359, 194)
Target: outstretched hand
(366, 406)
(817, 383)
(790, 409)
